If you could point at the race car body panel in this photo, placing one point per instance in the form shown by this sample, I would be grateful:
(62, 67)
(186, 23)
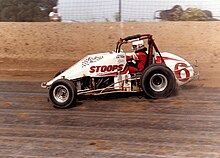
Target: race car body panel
(96, 65)
(182, 70)
(108, 64)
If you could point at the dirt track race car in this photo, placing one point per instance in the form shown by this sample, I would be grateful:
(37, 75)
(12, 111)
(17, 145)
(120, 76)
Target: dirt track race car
(107, 73)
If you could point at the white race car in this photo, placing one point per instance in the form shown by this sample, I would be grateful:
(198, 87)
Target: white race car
(105, 73)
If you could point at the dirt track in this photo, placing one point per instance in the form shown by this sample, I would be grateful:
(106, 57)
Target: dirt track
(186, 125)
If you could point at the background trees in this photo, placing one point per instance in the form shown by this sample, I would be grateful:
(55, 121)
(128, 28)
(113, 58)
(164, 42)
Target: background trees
(190, 14)
(26, 10)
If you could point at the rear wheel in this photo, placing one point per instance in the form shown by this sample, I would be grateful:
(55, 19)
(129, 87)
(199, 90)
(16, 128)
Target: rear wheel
(63, 94)
(158, 81)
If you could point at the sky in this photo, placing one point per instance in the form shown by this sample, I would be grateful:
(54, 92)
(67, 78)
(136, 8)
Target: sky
(131, 10)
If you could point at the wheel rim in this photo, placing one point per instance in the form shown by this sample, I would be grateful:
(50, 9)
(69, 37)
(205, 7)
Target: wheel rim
(158, 82)
(61, 93)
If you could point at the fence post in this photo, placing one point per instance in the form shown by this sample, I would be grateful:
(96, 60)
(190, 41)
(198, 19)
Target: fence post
(119, 11)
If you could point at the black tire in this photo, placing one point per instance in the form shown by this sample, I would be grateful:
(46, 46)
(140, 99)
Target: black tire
(158, 81)
(63, 94)
(59, 72)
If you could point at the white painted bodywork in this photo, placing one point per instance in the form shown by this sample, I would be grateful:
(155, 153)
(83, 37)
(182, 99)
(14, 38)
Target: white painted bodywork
(183, 71)
(82, 68)
(108, 64)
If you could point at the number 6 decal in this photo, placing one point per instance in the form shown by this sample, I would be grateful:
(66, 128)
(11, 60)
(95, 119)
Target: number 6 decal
(178, 72)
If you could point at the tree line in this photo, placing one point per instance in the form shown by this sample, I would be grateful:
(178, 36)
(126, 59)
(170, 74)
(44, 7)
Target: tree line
(190, 14)
(26, 10)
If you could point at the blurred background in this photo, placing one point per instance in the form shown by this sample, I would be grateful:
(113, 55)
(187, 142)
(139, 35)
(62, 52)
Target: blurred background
(138, 10)
(110, 10)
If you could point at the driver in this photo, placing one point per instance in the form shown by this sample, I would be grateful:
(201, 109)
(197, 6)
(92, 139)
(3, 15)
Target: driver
(139, 58)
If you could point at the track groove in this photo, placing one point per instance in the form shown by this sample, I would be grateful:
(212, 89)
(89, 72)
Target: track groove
(186, 125)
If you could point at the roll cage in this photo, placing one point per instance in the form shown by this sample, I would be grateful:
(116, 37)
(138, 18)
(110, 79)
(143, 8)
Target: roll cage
(151, 45)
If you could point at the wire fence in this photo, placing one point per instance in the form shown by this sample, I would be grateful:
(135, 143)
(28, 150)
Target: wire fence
(129, 10)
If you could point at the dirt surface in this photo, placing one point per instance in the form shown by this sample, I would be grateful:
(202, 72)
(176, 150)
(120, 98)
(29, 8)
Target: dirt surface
(35, 51)
(182, 126)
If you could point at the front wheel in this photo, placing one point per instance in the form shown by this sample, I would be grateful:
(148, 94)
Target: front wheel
(63, 94)
(158, 81)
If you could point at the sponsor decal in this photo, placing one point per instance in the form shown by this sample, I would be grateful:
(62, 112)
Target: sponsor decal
(90, 60)
(120, 56)
(106, 68)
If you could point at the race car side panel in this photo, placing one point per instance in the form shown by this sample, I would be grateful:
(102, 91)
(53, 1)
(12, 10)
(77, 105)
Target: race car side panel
(182, 70)
(108, 64)
(96, 65)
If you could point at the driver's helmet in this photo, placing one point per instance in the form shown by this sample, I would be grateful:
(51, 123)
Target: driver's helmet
(137, 45)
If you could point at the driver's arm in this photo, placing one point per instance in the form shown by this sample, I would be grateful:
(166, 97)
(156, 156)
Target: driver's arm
(129, 58)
